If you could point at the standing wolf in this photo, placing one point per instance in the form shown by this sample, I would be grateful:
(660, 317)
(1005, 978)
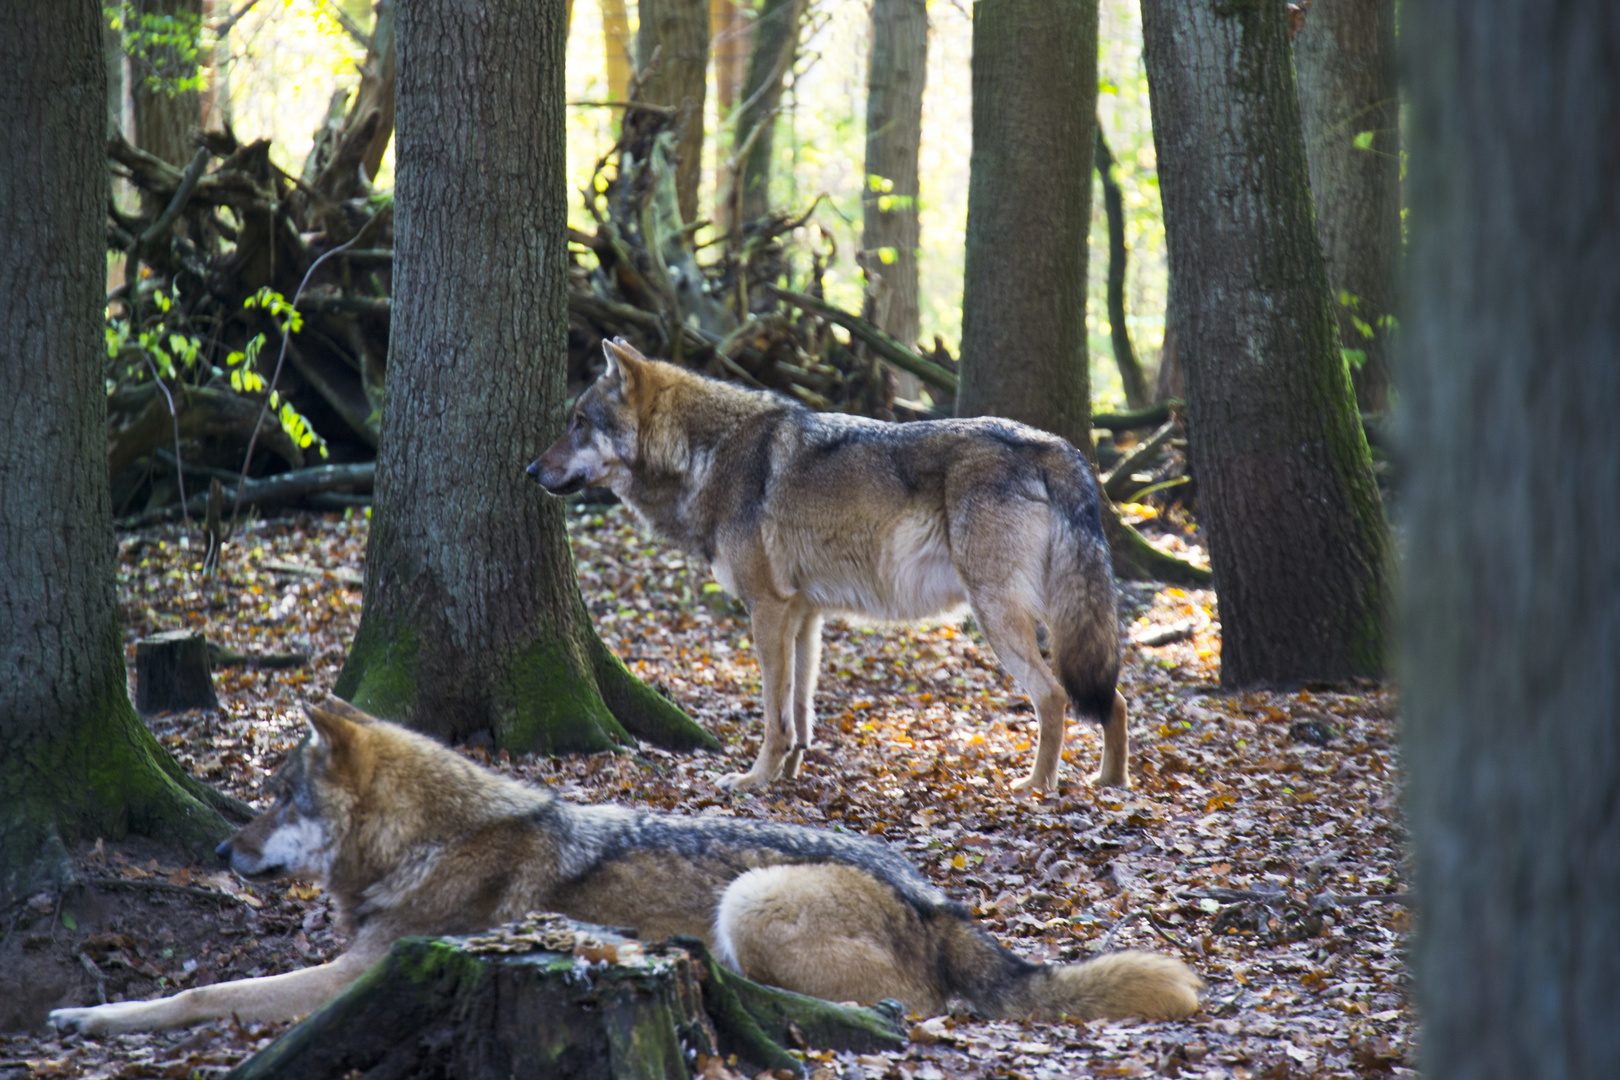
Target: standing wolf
(411, 838)
(801, 513)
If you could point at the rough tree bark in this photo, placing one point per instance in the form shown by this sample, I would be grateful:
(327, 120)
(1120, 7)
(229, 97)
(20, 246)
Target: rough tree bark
(616, 46)
(730, 45)
(1349, 105)
(1298, 539)
(776, 42)
(894, 89)
(1509, 371)
(164, 117)
(1029, 212)
(678, 32)
(473, 622)
(75, 761)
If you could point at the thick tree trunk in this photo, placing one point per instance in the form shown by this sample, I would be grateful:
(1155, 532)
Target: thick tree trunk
(1349, 105)
(678, 32)
(894, 89)
(1029, 212)
(1130, 369)
(776, 42)
(164, 114)
(1509, 372)
(75, 761)
(1298, 539)
(473, 623)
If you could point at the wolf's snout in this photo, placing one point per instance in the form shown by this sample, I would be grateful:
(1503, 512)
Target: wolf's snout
(224, 850)
(534, 470)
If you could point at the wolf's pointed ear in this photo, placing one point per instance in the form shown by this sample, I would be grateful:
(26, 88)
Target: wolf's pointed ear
(623, 363)
(332, 730)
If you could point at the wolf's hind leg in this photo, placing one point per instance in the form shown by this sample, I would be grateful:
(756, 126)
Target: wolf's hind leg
(1010, 629)
(830, 931)
(1116, 747)
(806, 666)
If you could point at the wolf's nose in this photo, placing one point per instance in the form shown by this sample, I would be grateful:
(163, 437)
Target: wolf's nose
(224, 851)
(533, 470)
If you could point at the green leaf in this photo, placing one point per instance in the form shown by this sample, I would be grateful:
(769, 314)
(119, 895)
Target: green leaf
(1362, 326)
(68, 920)
(1364, 139)
(1354, 357)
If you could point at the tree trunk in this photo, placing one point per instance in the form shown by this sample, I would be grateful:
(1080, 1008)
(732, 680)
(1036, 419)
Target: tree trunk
(1509, 371)
(894, 90)
(519, 1002)
(378, 78)
(75, 761)
(616, 48)
(732, 41)
(1350, 108)
(678, 32)
(473, 623)
(776, 42)
(1130, 369)
(1298, 540)
(167, 109)
(1029, 213)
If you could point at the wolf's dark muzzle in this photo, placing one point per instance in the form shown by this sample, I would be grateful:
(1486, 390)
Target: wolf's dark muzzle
(557, 486)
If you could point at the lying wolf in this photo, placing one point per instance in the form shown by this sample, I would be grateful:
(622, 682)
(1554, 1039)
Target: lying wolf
(801, 513)
(411, 838)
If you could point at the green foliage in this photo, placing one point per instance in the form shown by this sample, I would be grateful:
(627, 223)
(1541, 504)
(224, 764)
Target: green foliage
(164, 47)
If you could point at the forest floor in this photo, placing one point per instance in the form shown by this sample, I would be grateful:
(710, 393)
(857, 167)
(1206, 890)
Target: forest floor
(1260, 841)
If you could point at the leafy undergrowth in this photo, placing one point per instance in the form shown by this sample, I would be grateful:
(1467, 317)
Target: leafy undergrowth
(1260, 840)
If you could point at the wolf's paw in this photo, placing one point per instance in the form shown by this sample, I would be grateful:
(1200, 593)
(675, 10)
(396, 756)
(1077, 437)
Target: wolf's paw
(1035, 783)
(791, 763)
(741, 781)
(78, 1021)
(1110, 778)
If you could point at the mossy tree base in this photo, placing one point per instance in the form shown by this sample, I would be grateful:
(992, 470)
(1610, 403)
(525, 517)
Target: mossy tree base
(1137, 560)
(612, 1008)
(104, 775)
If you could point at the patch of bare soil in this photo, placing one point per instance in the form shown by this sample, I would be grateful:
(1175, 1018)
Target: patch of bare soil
(1260, 841)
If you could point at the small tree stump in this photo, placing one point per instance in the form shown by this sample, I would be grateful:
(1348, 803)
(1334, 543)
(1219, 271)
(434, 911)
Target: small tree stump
(550, 997)
(171, 673)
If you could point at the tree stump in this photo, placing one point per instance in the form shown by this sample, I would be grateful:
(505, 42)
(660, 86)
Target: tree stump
(171, 673)
(549, 997)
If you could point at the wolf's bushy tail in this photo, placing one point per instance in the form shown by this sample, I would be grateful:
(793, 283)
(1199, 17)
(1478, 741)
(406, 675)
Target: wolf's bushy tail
(1081, 600)
(1000, 984)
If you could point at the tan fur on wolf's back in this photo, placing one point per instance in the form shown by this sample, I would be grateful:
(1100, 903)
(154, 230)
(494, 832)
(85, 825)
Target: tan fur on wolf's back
(410, 837)
(801, 514)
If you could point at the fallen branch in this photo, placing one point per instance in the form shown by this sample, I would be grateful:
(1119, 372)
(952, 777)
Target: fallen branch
(881, 343)
(1115, 480)
(1152, 416)
(274, 490)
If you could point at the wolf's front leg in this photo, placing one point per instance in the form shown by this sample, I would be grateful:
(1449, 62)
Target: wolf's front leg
(806, 665)
(272, 997)
(774, 627)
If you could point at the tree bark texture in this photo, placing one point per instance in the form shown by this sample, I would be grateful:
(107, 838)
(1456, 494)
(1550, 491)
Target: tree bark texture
(1509, 371)
(75, 761)
(164, 119)
(473, 622)
(730, 45)
(776, 42)
(1298, 539)
(678, 32)
(1350, 107)
(894, 90)
(1134, 382)
(1029, 215)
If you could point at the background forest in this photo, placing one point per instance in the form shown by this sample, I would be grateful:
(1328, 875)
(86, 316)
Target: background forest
(293, 289)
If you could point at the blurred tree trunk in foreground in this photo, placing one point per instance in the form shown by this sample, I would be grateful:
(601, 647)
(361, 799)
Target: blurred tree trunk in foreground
(894, 90)
(473, 623)
(1298, 540)
(1509, 373)
(677, 31)
(75, 761)
(1350, 108)
(1029, 213)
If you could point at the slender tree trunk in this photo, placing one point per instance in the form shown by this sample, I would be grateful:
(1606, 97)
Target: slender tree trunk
(378, 79)
(473, 623)
(165, 115)
(1509, 372)
(616, 48)
(1285, 487)
(776, 42)
(1130, 369)
(1029, 213)
(894, 90)
(1349, 105)
(75, 761)
(678, 32)
(731, 44)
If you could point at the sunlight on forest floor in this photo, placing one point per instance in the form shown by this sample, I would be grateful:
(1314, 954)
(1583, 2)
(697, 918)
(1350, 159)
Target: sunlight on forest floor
(1261, 840)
